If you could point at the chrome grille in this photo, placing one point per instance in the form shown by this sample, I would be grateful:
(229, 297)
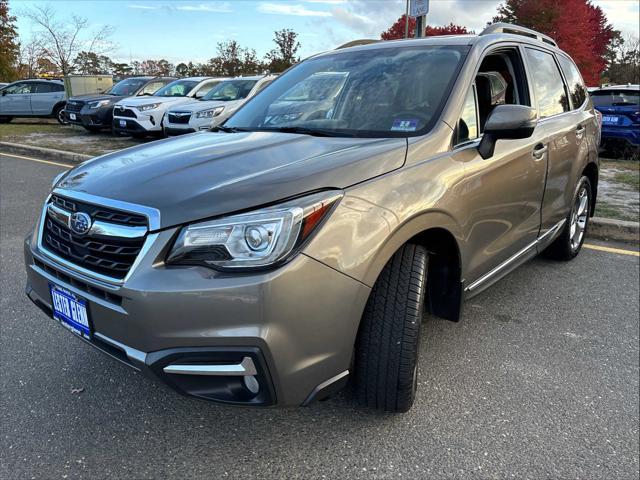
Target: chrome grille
(111, 256)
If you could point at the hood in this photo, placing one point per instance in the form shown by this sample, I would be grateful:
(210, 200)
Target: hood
(199, 105)
(143, 100)
(209, 174)
(93, 97)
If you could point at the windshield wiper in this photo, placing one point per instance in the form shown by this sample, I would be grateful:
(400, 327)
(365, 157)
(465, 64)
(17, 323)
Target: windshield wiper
(222, 128)
(316, 132)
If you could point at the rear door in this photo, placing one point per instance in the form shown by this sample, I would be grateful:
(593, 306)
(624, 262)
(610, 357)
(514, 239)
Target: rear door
(15, 99)
(566, 128)
(44, 96)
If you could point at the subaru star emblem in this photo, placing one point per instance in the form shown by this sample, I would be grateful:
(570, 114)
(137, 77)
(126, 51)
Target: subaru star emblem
(80, 223)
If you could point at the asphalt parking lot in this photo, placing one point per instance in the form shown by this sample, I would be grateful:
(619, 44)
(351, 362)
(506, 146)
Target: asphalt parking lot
(539, 380)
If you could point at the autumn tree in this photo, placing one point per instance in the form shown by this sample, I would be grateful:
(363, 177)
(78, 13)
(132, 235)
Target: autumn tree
(624, 64)
(62, 40)
(233, 60)
(396, 31)
(9, 45)
(579, 27)
(284, 55)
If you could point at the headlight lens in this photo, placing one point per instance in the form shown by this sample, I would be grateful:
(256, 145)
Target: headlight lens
(257, 239)
(99, 103)
(214, 112)
(147, 106)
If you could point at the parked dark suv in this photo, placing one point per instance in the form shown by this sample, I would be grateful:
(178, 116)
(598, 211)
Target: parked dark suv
(267, 264)
(95, 111)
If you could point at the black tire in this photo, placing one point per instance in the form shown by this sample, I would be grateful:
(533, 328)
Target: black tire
(5, 119)
(92, 129)
(59, 116)
(386, 356)
(566, 247)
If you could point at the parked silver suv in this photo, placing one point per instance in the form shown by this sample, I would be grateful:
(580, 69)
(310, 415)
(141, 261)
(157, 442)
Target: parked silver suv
(32, 98)
(267, 264)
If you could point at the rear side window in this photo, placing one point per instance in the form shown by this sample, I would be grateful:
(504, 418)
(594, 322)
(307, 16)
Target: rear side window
(42, 88)
(577, 90)
(548, 85)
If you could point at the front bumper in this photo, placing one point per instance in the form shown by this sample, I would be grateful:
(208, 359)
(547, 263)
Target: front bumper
(298, 323)
(97, 118)
(142, 124)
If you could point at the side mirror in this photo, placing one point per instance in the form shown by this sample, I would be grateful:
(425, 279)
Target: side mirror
(506, 122)
(199, 95)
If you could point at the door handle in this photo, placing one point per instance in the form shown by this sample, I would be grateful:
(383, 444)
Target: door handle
(539, 151)
(580, 131)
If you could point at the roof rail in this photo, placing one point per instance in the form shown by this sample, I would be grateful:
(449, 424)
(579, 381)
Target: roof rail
(355, 43)
(502, 27)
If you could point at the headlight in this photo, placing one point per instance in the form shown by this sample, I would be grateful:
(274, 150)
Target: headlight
(214, 112)
(147, 106)
(99, 103)
(258, 239)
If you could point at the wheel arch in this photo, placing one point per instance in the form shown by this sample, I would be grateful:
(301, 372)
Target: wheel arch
(59, 104)
(441, 236)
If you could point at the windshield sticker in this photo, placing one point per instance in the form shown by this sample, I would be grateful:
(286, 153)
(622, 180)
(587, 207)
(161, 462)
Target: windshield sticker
(400, 125)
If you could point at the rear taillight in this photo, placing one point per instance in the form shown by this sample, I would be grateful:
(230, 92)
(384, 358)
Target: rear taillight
(599, 117)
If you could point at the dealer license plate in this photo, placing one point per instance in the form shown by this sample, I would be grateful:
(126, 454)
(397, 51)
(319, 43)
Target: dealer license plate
(70, 310)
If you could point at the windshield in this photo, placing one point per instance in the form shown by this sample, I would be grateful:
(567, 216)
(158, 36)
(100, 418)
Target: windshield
(126, 87)
(179, 88)
(383, 92)
(230, 90)
(611, 98)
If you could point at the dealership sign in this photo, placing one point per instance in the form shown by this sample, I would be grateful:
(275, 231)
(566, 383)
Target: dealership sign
(418, 8)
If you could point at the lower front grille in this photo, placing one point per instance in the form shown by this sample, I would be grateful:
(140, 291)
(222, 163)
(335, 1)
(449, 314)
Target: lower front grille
(112, 257)
(182, 118)
(73, 106)
(124, 112)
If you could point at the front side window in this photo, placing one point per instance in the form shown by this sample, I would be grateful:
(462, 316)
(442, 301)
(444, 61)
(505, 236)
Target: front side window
(548, 85)
(577, 90)
(230, 90)
(18, 89)
(468, 123)
(178, 88)
(383, 92)
(126, 87)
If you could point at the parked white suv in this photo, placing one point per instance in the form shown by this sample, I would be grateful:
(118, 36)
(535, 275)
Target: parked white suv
(140, 116)
(215, 107)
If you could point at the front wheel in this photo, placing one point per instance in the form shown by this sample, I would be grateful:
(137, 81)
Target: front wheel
(386, 357)
(569, 243)
(58, 113)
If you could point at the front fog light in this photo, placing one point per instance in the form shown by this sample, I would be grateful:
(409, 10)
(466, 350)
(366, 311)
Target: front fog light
(251, 384)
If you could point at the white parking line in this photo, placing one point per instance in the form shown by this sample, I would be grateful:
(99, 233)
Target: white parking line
(36, 160)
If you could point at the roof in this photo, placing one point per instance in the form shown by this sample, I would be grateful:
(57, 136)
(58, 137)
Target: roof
(628, 86)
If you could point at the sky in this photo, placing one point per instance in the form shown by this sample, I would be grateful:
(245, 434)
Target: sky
(183, 30)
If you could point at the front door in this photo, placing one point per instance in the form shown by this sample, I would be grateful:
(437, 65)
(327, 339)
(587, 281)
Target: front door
(15, 99)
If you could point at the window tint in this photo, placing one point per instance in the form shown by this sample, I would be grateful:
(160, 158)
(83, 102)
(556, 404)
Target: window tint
(615, 98)
(56, 87)
(468, 123)
(547, 83)
(42, 88)
(19, 88)
(576, 86)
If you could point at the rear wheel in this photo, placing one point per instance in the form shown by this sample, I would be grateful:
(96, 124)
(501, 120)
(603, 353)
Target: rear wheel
(386, 360)
(568, 244)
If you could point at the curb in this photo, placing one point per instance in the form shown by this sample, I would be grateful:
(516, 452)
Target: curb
(608, 229)
(43, 153)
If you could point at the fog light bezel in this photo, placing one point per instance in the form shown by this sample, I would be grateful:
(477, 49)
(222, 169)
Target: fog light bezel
(225, 389)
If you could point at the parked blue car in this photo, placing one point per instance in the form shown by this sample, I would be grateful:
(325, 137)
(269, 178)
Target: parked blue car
(620, 109)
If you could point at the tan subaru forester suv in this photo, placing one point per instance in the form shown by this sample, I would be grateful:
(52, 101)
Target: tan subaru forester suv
(300, 244)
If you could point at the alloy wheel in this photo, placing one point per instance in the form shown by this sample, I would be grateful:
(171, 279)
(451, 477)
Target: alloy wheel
(579, 218)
